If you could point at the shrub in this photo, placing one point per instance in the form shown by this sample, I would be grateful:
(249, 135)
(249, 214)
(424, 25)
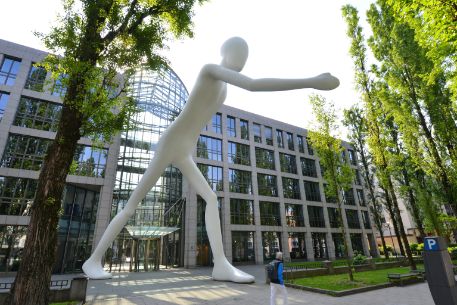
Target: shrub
(359, 259)
(420, 247)
(413, 247)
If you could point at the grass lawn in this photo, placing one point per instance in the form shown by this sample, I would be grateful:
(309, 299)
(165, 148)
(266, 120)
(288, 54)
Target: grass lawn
(341, 282)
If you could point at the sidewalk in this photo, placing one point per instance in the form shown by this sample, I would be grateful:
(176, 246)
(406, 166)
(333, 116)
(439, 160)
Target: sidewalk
(194, 286)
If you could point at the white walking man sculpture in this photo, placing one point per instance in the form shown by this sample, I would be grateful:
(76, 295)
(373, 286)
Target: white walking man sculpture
(177, 143)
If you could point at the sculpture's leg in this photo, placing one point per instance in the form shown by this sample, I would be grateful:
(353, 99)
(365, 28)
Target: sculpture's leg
(93, 267)
(223, 270)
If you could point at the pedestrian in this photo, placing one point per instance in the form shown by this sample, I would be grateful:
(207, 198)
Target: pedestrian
(277, 281)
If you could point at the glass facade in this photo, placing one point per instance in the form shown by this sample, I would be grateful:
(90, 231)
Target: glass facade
(349, 197)
(319, 245)
(60, 88)
(310, 147)
(257, 134)
(269, 213)
(267, 185)
(35, 80)
(240, 181)
(291, 188)
(312, 191)
(338, 242)
(316, 216)
(271, 243)
(241, 211)
(294, 215)
(264, 158)
(160, 97)
(290, 141)
(244, 129)
(301, 144)
(231, 126)
(352, 157)
(3, 102)
(288, 163)
(209, 148)
(356, 241)
(268, 135)
(279, 138)
(352, 218)
(8, 70)
(238, 153)
(361, 198)
(212, 174)
(333, 217)
(204, 253)
(243, 246)
(308, 167)
(297, 246)
(37, 114)
(216, 123)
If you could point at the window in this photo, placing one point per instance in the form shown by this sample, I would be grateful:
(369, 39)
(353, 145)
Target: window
(256, 130)
(243, 246)
(316, 216)
(322, 167)
(9, 70)
(291, 188)
(3, 102)
(271, 243)
(352, 157)
(209, 148)
(343, 156)
(349, 197)
(279, 138)
(212, 174)
(15, 194)
(241, 212)
(301, 144)
(361, 198)
(288, 163)
(267, 185)
(356, 241)
(329, 198)
(231, 127)
(294, 215)
(290, 141)
(352, 219)
(89, 161)
(357, 177)
(319, 245)
(264, 158)
(60, 86)
(312, 191)
(216, 123)
(310, 148)
(240, 181)
(37, 114)
(333, 217)
(35, 80)
(366, 220)
(244, 129)
(269, 213)
(338, 241)
(308, 167)
(238, 153)
(297, 245)
(268, 135)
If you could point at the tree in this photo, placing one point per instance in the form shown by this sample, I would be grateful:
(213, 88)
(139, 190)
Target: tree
(93, 40)
(378, 140)
(337, 174)
(354, 120)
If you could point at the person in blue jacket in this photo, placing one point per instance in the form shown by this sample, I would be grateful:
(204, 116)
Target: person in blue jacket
(277, 283)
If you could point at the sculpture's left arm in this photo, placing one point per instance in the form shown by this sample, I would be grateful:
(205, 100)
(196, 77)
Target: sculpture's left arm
(321, 82)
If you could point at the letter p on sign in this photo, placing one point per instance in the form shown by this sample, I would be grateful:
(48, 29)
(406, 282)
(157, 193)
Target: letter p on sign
(431, 244)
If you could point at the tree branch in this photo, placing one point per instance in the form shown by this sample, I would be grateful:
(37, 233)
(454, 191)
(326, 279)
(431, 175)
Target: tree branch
(114, 33)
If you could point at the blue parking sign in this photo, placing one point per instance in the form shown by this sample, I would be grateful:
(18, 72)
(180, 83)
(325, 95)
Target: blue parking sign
(431, 244)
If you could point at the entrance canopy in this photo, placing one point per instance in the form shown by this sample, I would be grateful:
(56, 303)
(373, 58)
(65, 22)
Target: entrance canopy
(146, 232)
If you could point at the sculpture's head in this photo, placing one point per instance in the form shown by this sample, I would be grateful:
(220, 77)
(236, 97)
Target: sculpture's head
(234, 53)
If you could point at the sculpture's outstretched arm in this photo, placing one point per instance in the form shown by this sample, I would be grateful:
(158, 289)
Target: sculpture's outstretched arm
(324, 81)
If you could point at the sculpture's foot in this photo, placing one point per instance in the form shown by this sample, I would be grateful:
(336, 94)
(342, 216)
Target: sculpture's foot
(326, 81)
(224, 271)
(94, 270)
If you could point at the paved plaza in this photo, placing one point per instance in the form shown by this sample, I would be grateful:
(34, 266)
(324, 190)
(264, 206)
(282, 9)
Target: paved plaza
(194, 286)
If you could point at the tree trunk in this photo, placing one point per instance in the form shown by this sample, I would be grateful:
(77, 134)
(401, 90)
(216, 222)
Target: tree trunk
(393, 218)
(38, 257)
(401, 227)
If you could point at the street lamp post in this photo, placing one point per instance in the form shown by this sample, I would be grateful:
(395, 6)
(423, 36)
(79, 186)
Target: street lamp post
(392, 239)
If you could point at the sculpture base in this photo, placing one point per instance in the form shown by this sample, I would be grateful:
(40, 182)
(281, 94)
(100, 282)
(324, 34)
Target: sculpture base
(95, 271)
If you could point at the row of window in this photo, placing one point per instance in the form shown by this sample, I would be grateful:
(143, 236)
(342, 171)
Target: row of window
(281, 140)
(242, 212)
(241, 182)
(211, 148)
(35, 79)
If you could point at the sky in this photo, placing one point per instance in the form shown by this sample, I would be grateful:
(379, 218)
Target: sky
(287, 39)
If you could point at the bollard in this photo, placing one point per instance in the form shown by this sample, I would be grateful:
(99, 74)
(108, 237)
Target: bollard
(439, 271)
